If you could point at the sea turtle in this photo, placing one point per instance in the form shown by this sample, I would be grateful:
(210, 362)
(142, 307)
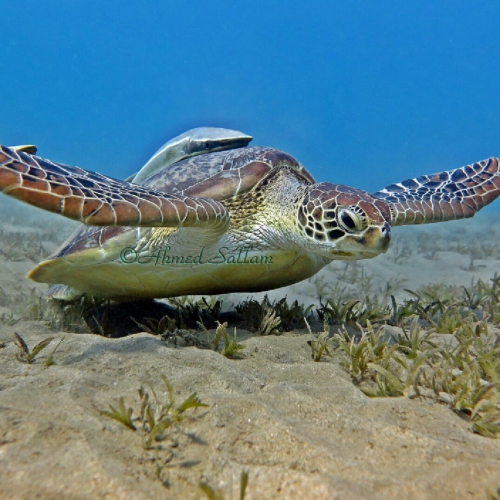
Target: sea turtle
(240, 220)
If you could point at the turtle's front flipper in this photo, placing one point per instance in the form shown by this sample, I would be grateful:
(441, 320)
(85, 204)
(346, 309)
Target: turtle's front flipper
(455, 194)
(99, 200)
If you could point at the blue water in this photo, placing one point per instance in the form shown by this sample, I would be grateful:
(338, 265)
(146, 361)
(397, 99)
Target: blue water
(361, 92)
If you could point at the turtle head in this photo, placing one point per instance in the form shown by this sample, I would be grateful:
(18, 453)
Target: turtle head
(340, 222)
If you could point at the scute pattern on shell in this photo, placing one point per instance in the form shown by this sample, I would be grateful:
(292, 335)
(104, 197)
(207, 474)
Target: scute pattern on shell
(192, 172)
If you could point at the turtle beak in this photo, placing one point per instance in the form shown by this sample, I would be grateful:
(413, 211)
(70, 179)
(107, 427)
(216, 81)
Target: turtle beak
(376, 240)
(385, 230)
(372, 242)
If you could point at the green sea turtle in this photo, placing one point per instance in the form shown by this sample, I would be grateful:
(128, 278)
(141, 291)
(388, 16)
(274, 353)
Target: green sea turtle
(237, 220)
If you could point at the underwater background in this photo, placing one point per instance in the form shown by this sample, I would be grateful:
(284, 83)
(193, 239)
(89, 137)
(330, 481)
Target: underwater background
(363, 93)
(371, 380)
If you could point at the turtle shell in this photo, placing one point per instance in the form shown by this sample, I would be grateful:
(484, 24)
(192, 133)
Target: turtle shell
(217, 175)
(224, 174)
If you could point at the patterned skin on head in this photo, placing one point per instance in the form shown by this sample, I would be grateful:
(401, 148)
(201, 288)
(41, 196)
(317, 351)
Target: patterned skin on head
(344, 220)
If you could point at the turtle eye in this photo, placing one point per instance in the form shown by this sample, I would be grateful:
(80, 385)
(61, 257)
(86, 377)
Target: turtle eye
(352, 219)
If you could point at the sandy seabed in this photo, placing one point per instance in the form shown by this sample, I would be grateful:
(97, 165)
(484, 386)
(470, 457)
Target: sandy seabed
(301, 429)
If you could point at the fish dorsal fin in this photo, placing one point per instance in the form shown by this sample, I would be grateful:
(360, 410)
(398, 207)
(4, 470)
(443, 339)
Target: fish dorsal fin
(194, 142)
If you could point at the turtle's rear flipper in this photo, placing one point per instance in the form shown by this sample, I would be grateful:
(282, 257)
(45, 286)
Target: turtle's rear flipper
(63, 292)
(100, 200)
(454, 194)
